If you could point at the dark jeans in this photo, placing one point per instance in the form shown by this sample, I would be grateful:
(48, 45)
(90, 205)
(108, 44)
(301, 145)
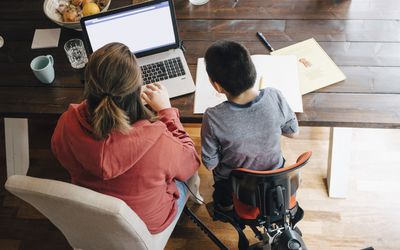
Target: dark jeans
(222, 192)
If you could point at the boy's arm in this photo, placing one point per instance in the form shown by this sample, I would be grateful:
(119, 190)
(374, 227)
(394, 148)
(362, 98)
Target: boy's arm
(209, 144)
(290, 125)
(292, 135)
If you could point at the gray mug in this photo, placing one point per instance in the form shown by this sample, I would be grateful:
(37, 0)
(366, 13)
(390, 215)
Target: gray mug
(42, 67)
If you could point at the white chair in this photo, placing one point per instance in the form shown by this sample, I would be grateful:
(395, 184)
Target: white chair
(88, 219)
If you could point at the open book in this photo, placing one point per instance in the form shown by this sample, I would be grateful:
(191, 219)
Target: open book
(316, 68)
(278, 72)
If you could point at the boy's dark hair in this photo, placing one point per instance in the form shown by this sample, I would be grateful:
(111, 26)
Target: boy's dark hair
(229, 64)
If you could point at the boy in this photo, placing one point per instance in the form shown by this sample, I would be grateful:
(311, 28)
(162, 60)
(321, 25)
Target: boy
(244, 131)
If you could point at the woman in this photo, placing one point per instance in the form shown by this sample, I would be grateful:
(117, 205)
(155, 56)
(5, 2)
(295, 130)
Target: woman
(110, 142)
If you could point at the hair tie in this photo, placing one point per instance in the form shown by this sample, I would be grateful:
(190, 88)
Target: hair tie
(106, 94)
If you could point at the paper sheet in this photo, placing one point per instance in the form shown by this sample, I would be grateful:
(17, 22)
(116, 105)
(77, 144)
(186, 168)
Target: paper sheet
(279, 72)
(46, 38)
(316, 68)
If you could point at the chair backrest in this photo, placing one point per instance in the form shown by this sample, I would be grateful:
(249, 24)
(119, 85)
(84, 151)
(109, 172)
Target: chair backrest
(88, 219)
(266, 195)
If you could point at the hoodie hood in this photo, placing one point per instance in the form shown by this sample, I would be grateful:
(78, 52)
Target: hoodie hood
(107, 158)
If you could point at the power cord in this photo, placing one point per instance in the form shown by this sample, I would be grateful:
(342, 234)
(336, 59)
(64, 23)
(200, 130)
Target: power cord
(193, 193)
(182, 46)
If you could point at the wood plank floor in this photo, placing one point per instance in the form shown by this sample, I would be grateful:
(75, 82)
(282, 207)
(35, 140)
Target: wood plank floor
(368, 217)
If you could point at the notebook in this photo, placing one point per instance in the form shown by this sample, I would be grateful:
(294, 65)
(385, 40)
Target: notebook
(316, 68)
(150, 31)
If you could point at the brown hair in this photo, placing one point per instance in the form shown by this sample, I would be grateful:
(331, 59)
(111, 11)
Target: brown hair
(113, 81)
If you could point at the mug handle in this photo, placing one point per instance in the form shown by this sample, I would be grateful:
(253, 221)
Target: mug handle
(51, 59)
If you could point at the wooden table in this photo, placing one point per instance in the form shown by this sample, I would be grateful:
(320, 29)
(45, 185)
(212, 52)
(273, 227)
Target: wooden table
(361, 36)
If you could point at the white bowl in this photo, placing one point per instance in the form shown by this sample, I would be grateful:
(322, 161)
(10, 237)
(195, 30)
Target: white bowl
(50, 10)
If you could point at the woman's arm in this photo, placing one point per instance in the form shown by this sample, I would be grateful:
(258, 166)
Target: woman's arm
(185, 158)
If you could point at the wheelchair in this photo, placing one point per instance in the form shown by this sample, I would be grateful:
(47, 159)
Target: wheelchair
(266, 202)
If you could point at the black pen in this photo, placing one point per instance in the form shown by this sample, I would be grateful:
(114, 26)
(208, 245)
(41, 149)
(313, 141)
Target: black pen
(265, 42)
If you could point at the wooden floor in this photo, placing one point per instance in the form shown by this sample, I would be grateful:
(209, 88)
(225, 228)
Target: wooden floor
(368, 217)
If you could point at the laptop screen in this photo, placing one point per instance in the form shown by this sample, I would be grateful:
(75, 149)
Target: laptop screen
(146, 28)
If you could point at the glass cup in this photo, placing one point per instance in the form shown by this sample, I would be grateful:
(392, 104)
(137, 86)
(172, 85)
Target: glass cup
(76, 53)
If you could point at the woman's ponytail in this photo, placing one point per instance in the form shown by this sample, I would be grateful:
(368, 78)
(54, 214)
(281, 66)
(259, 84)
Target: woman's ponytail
(113, 81)
(108, 116)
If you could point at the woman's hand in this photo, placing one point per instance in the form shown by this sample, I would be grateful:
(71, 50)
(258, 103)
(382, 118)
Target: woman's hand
(156, 95)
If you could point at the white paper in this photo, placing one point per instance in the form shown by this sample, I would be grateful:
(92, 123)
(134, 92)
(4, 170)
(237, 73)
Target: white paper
(278, 72)
(205, 95)
(46, 38)
(316, 68)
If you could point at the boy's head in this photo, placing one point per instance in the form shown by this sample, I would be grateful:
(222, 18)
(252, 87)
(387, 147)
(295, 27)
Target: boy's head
(229, 64)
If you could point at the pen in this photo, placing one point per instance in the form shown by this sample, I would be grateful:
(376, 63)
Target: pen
(265, 42)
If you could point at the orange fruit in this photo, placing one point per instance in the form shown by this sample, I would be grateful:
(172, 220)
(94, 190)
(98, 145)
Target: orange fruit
(90, 9)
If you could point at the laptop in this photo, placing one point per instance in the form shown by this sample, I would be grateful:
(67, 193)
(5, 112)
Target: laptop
(150, 31)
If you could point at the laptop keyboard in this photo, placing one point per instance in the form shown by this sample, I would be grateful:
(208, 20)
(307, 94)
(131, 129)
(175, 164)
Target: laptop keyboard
(163, 70)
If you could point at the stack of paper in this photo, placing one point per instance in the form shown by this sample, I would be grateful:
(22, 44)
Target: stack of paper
(280, 72)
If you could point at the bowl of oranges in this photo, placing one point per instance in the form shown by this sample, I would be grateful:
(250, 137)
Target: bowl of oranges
(67, 13)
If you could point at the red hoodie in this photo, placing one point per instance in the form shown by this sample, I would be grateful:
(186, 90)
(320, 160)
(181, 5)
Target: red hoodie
(139, 168)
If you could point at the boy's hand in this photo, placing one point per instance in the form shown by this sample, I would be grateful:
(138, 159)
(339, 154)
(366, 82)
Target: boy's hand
(156, 96)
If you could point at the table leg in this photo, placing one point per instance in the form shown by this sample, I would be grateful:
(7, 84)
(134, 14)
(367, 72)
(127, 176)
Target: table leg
(17, 145)
(340, 140)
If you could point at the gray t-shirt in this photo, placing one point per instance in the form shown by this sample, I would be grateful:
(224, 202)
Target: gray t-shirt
(246, 136)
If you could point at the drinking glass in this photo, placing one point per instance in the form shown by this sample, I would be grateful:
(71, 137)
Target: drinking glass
(76, 53)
